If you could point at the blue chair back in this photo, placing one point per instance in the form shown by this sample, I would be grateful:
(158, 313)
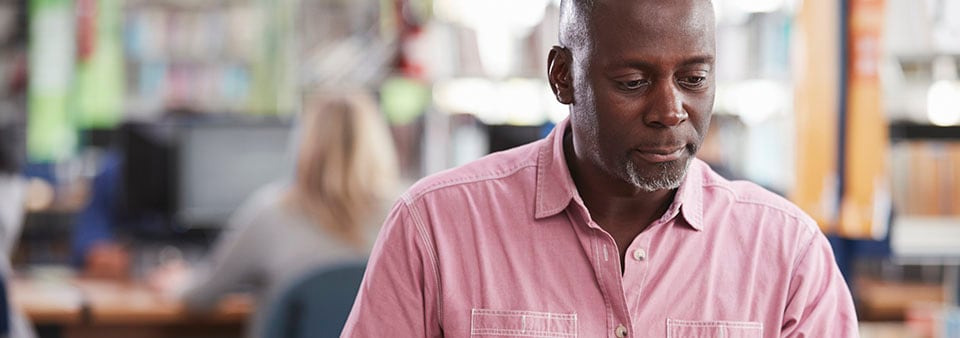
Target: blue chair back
(4, 309)
(315, 305)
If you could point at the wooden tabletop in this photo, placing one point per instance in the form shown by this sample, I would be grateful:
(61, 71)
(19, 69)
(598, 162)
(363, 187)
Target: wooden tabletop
(133, 303)
(101, 302)
(48, 302)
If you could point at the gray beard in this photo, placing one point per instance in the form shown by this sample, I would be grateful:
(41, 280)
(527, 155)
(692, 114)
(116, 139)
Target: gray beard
(662, 180)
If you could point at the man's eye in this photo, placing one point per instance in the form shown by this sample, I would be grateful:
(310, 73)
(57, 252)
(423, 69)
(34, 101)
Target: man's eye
(635, 84)
(693, 81)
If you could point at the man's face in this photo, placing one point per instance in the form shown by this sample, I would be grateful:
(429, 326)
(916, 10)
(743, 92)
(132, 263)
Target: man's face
(643, 86)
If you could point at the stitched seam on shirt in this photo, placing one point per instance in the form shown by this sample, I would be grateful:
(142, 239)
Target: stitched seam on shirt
(431, 250)
(674, 323)
(520, 333)
(574, 225)
(650, 259)
(466, 180)
(800, 257)
(714, 323)
(596, 264)
(507, 313)
(603, 290)
(576, 325)
(560, 317)
(540, 178)
(803, 253)
(793, 270)
(740, 199)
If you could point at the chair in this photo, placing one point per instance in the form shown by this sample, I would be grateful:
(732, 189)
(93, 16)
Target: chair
(4, 309)
(316, 305)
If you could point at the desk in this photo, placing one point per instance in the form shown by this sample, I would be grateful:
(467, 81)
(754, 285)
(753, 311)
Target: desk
(48, 303)
(886, 330)
(90, 308)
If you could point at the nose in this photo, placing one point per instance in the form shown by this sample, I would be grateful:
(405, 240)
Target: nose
(666, 107)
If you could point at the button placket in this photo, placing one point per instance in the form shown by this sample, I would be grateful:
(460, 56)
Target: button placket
(638, 267)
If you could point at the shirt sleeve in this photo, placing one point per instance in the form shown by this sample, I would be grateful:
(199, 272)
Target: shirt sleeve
(820, 304)
(97, 221)
(399, 293)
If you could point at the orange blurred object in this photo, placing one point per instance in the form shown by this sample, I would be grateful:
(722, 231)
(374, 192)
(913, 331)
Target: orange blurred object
(107, 261)
(86, 28)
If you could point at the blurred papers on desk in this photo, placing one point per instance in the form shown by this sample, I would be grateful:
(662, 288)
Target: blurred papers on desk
(48, 302)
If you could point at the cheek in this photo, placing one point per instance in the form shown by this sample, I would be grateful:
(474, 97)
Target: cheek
(700, 121)
(612, 106)
(702, 111)
(707, 99)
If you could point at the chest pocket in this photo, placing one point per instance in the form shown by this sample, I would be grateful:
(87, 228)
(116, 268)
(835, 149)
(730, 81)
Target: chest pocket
(713, 329)
(503, 323)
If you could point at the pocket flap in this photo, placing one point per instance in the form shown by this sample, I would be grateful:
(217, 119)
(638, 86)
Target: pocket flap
(713, 329)
(522, 323)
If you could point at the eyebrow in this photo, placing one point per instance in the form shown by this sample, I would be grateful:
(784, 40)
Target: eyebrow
(698, 59)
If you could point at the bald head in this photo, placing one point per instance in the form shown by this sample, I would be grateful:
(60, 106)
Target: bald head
(576, 16)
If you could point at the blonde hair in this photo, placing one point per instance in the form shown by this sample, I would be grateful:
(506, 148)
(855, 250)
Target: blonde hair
(346, 165)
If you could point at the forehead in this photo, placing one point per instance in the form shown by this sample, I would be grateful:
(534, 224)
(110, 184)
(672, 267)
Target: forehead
(653, 28)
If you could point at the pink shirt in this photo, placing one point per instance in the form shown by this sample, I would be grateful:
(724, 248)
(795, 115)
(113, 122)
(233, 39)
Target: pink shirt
(505, 247)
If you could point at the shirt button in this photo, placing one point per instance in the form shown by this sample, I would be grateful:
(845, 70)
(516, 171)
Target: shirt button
(621, 331)
(639, 254)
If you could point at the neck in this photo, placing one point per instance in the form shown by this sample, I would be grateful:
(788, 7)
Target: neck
(613, 203)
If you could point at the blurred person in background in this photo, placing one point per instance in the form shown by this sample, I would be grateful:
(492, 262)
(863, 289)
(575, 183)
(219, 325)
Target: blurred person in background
(104, 229)
(96, 248)
(346, 169)
(13, 190)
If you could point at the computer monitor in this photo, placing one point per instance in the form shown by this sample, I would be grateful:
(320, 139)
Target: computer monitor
(221, 163)
(148, 162)
(11, 147)
(503, 137)
(196, 172)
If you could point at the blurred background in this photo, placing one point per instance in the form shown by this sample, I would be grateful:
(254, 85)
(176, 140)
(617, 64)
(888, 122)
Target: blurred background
(184, 108)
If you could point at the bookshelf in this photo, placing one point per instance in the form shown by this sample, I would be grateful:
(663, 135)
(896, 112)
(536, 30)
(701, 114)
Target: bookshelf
(925, 177)
(208, 56)
(13, 83)
(925, 174)
(905, 131)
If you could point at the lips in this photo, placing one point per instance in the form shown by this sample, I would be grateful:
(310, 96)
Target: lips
(661, 154)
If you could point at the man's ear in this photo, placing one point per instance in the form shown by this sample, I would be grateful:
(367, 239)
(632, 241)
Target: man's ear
(558, 73)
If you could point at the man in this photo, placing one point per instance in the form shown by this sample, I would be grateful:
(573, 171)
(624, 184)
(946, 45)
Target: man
(609, 226)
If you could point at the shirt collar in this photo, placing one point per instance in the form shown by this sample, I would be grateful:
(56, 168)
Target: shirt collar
(555, 187)
(689, 198)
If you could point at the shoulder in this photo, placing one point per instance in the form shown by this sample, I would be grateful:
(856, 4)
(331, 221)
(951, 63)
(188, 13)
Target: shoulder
(751, 199)
(488, 169)
(259, 205)
(267, 197)
(11, 185)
